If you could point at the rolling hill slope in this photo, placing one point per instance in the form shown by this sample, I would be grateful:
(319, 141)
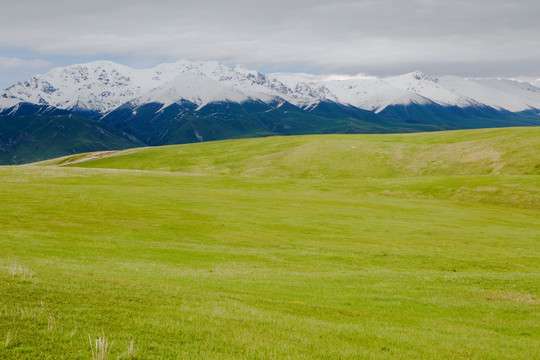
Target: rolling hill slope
(411, 246)
(512, 151)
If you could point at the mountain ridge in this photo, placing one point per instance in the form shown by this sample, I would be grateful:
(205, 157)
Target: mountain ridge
(104, 86)
(185, 101)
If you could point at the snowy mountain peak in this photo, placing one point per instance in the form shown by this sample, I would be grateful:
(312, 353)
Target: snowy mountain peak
(99, 86)
(104, 85)
(420, 76)
(192, 87)
(241, 69)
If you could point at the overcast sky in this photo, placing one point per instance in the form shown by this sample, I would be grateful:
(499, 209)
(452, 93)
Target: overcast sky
(376, 37)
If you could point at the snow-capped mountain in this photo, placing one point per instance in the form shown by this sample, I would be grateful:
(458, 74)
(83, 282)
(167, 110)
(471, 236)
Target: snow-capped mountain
(417, 88)
(103, 86)
(496, 93)
(99, 86)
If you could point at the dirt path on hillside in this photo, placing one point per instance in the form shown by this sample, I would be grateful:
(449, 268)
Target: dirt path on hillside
(96, 155)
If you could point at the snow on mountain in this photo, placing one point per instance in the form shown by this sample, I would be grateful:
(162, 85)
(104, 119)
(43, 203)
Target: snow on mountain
(238, 77)
(523, 95)
(213, 81)
(100, 85)
(309, 89)
(429, 88)
(103, 86)
(192, 87)
(499, 94)
(7, 101)
(371, 93)
(376, 94)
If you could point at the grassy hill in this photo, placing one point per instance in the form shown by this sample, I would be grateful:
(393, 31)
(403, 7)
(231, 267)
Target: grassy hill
(465, 152)
(334, 247)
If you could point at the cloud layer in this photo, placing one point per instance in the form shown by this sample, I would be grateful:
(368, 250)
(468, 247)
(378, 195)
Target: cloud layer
(480, 38)
(16, 63)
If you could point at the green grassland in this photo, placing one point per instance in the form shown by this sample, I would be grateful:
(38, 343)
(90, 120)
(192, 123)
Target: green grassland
(415, 246)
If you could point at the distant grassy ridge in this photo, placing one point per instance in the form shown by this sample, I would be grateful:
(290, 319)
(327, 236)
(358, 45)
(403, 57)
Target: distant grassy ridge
(507, 151)
(447, 165)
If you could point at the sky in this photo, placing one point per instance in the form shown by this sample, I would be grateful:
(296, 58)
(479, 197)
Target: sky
(480, 38)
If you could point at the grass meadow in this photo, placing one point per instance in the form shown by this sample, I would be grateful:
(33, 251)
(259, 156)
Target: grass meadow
(418, 246)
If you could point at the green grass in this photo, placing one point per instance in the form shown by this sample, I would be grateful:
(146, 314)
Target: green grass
(465, 152)
(278, 248)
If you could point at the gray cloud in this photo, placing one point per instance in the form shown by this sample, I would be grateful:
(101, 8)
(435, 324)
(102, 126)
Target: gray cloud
(16, 63)
(492, 37)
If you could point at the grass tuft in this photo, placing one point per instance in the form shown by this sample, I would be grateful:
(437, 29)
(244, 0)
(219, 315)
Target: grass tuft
(130, 351)
(19, 271)
(101, 349)
(11, 335)
(73, 332)
(51, 323)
